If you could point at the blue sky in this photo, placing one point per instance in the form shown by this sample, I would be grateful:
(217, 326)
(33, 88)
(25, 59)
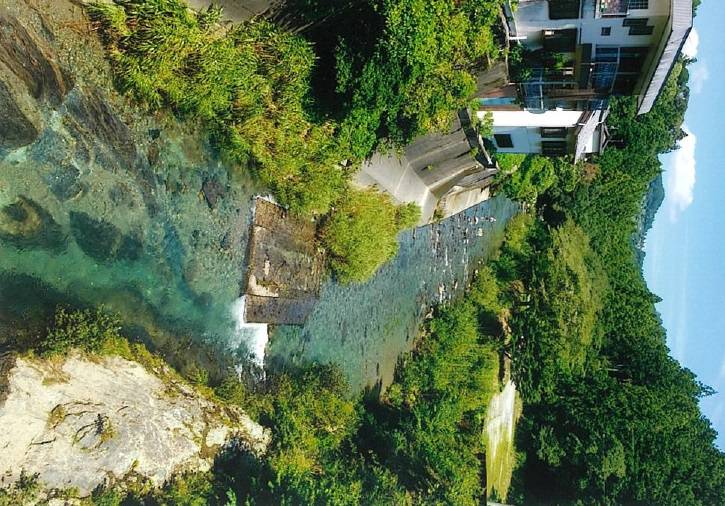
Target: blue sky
(685, 263)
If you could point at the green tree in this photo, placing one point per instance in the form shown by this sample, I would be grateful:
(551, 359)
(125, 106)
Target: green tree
(362, 233)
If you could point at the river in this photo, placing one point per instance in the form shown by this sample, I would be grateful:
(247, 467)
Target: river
(106, 204)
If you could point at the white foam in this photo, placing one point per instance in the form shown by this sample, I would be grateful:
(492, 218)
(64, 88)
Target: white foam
(254, 335)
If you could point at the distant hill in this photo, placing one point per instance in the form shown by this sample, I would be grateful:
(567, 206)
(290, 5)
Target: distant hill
(650, 205)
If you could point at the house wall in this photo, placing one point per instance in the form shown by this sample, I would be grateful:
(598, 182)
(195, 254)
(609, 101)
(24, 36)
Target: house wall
(525, 139)
(552, 119)
(524, 127)
(532, 17)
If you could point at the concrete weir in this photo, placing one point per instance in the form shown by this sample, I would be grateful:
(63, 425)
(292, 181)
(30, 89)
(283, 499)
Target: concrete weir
(444, 173)
(284, 267)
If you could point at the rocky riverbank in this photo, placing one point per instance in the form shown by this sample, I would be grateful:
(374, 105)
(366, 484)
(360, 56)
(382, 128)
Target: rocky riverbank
(80, 423)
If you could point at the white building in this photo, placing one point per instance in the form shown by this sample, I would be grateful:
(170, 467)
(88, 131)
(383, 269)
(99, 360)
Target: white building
(579, 54)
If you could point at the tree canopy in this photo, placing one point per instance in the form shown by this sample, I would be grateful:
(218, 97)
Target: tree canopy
(609, 416)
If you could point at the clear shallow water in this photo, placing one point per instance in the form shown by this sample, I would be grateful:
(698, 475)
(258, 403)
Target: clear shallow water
(85, 224)
(364, 328)
(106, 207)
(116, 216)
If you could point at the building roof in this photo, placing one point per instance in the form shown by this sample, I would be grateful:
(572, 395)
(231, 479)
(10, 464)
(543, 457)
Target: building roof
(677, 30)
(589, 123)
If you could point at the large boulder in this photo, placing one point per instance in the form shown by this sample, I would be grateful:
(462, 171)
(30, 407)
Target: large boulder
(80, 423)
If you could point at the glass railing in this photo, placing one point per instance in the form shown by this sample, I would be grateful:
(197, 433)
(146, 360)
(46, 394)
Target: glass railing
(613, 7)
(545, 92)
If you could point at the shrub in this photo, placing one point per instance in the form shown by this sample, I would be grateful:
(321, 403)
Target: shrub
(86, 329)
(24, 491)
(362, 233)
(416, 71)
(249, 84)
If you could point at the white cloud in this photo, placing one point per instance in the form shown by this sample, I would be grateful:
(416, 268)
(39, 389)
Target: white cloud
(699, 73)
(680, 182)
(692, 44)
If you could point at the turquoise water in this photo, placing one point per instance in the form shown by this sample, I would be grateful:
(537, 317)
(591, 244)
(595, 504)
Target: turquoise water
(84, 223)
(114, 206)
(126, 224)
(364, 328)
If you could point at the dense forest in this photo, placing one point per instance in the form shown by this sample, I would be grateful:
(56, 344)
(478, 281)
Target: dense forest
(608, 416)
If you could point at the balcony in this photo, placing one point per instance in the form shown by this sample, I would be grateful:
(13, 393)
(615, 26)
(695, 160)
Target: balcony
(612, 8)
(537, 90)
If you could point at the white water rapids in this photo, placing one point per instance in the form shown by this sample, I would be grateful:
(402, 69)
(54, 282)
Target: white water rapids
(253, 335)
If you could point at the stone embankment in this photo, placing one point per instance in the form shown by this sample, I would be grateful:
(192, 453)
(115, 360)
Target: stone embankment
(285, 267)
(81, 422)
(444, 173)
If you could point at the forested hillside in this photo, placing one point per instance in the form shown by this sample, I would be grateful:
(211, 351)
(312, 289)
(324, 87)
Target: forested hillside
(609, 416)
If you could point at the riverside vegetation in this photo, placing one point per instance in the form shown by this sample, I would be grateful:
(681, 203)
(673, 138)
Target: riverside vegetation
(250, 85)
(609, 417)
(420, 443)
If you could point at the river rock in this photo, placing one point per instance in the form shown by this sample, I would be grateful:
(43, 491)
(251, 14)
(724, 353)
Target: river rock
(81, 423)
(213, 191)
(26, 224)
(64, 182)
(31, 82)
(102, 240)
(89, 117)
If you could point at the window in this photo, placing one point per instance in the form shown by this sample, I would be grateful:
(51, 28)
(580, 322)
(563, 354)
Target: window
(607, 54)
(563, 9)
(639, 4)
(503, 140)
(638, 26)
(560, 41)
(553, 133)
(606, 31)
(625, 84)
(635, 22)
(632, 59)
(641, 30)
(553, 148)
(613, 7)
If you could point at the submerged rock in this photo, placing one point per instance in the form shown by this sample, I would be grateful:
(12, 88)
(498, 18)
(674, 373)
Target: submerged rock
(213, 191)
(64, 182)
(81, 423)
(102, 240)
(25, 224)
(32, 81)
